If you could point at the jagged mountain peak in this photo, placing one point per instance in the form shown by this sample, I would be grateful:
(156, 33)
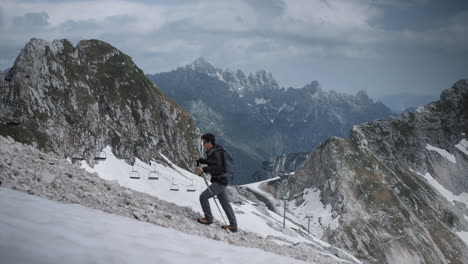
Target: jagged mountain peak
(97, 50)
(203, 66)
(237, 80)
(362, 96)
(240, 74)
(263, 80)
(201, 61)
(457, 93)
(35, 42)
(76, 100)
(313, 87)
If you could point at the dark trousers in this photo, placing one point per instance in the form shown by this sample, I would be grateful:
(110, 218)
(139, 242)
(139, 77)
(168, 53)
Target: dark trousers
(219, 190)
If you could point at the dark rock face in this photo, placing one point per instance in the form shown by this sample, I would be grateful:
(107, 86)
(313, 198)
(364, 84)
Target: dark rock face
(279, 165)
(256, 119)
(399, 188)
(74, 101)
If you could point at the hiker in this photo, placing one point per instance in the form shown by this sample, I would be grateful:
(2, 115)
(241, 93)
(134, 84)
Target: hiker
(219, 181)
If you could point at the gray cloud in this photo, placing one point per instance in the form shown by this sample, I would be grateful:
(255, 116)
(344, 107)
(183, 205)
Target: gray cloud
(78, 26)
(268, 8)
(120, 20)
(31, 20)
(299, 41)
(2, 18)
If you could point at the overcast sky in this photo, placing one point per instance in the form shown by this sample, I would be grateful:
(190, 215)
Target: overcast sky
(380, 46)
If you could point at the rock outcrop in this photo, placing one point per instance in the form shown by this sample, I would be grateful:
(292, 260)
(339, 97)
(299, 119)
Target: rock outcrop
(398, 188)
(74, 101)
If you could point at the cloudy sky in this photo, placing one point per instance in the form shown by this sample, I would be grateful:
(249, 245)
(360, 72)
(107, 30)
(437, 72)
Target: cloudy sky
(381, 46)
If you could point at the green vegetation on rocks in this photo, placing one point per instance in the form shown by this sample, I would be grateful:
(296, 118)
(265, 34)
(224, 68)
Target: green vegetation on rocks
(81, 99)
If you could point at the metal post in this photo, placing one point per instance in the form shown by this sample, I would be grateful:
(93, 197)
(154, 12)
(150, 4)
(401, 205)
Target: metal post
(284, 214)
(283, 176)
(308, 224)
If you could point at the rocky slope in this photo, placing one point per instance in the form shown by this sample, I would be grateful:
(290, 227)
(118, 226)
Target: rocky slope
(74, 101)
(398, 188)
(258, 120)
(24, 168)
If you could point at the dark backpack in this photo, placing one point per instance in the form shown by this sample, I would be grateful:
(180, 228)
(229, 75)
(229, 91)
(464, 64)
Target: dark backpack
(228, 165)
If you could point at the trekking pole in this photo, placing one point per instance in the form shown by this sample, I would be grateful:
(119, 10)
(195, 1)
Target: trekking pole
(216, 202)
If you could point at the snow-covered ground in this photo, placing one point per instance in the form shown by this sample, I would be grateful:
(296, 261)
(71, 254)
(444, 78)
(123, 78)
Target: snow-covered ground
(249, 216)
(37, 230)
(26, 169)
(320, 215)
(115, 169)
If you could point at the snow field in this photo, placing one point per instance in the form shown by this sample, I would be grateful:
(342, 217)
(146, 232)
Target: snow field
(28, 170)
(46, 231)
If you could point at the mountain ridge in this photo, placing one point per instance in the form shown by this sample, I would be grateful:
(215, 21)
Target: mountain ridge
(77, 100)
(399, 183)
(256, 119)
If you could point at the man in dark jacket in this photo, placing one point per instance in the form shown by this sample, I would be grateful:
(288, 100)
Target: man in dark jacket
(219, 182)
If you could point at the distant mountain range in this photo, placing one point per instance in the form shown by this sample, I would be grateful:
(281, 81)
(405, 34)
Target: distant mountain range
(258, 120)
(398, 103)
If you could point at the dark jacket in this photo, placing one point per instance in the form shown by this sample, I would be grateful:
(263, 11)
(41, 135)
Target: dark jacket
(215, 162)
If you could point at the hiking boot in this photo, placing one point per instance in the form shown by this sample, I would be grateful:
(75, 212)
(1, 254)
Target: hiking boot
(230, 228)
(205, 221)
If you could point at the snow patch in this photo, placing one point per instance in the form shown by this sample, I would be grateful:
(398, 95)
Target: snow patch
(444, 153)
(463, 197)
(285, 106)
(219, 76)
(321, 216)
(261, 101)
(421, 109)
(463, 146)
(115, 169)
